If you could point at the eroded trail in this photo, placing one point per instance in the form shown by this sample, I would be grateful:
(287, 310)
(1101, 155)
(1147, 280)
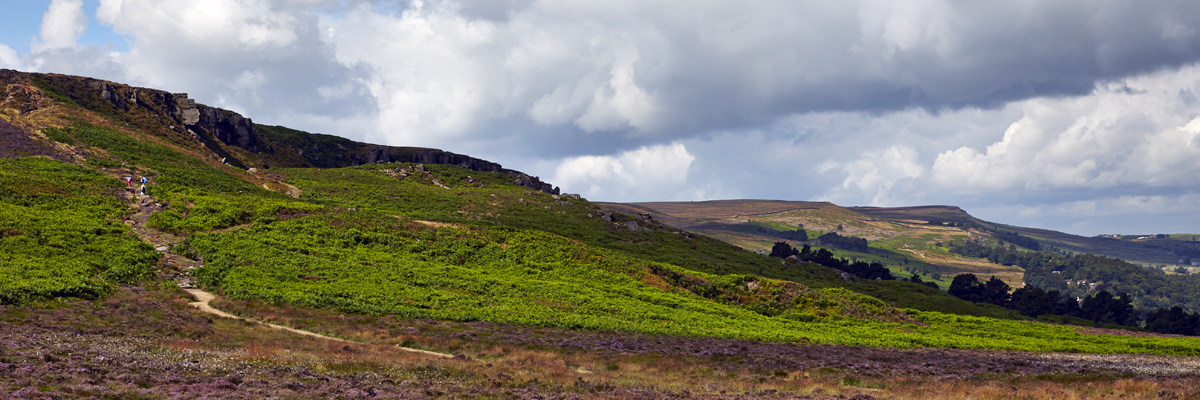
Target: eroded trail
(204, 298)
(146, 206)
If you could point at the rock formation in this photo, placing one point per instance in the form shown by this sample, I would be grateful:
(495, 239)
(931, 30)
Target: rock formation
(227, 126)
(223, 132)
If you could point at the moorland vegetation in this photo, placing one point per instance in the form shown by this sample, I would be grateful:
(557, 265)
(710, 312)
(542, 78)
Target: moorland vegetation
(385, 252)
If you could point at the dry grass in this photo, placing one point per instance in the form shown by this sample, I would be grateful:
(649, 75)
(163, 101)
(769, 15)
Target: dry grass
(951, 265)
(698, 376)
(219, 348)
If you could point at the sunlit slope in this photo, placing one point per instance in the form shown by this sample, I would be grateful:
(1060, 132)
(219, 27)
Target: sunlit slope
(371, 263)
(902, 239)
(450, 194)
(198, 180)
(446, 243)
(1131, 251)
(903, 235)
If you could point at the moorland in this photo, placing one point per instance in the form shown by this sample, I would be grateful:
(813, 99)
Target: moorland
(522, 291)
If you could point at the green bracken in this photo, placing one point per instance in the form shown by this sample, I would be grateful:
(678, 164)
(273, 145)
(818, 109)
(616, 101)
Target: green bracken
(60, 235)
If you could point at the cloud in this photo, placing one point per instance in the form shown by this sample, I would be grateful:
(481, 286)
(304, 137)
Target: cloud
(1137, 205)
(655, 172)
(1137, 131)
(877, 172)
(9, 58)
(62, 25)
(1128, 214)
(267, 59)
(643, 73)
(1030, 104)
(639, 73)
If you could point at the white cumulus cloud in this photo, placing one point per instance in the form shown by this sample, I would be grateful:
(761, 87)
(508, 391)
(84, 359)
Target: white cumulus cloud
(648, 173)
(62, 25)
(9, 58)
(1138, 131)
(876, 173)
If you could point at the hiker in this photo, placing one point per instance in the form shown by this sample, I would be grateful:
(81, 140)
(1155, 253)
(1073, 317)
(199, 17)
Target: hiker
(143, 188)
(129, 182)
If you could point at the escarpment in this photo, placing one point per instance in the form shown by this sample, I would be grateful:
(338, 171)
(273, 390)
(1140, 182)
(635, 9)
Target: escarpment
(226, 135)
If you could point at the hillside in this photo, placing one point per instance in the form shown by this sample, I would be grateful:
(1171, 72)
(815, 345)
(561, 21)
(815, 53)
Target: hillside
(901, 239)
(524, 292)
(1126, 250)
(897, 234)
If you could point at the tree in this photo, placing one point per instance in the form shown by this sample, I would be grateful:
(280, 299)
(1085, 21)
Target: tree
(1106, 308)
(916, 278)
(1174, 321)
(783, 250)
(995, 291)
(966, 287)
(1033, 301)
(799, 235)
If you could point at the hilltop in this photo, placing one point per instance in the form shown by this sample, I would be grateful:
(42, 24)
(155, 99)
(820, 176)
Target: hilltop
(424, 273)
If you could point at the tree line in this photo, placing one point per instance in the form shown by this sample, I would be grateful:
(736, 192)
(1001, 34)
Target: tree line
(851, 243)
(1101, 307)
(1017, 239)
(861, 269)
(1083, 274)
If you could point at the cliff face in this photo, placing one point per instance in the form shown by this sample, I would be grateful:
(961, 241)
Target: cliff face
(227, 135)
(227, 126)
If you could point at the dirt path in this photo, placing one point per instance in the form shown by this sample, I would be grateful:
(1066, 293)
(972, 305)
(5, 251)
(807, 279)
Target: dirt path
(147, 205)
(202, 302)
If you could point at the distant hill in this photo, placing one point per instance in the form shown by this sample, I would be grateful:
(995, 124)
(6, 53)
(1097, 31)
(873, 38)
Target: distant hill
(904, 238)
(1132, 251)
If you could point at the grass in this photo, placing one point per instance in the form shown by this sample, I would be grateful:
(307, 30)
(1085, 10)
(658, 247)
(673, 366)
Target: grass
(60, 233)
(373, 264)
(188, 353)
(198, 196)
(492, 201)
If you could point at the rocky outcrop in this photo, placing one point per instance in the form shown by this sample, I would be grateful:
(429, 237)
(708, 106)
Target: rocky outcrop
(444, 157)
(475, 164)
(532, 182)
(227, 126)
(182, 118)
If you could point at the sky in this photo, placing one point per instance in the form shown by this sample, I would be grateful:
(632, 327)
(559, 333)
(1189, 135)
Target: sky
(1074, 115)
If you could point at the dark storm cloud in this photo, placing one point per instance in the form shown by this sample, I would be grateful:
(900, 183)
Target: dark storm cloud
(885, 57)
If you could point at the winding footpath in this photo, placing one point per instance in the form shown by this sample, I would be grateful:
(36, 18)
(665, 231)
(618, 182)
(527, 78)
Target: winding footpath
(147, 205)
(202, 302)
